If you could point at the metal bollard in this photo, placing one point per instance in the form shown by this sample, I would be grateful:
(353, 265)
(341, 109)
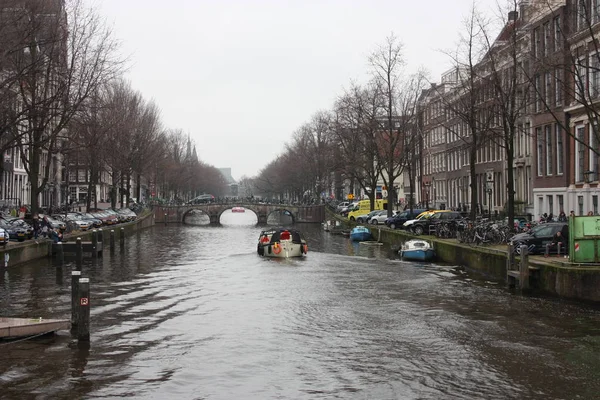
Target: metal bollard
(122, 237)
(60, 254)
(112, 240)
(75, 275)
(94, 243)
(79, 254)
(83, 323)
(524, 268)
(165, 219)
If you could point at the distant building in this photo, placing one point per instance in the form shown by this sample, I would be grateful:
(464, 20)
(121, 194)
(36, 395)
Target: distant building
(233, 185)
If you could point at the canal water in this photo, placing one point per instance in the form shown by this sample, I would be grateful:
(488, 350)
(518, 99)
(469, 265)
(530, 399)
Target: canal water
(192, 312)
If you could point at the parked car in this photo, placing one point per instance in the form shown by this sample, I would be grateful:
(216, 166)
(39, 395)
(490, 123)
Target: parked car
(4, 237)
(14, 232)
(379, 218)
(400, 218)
(341, 206)
(363, 219)
(537, 238)
(18, 222)
(54, 223)
(424, 215)
(423, 225)
(202, 199)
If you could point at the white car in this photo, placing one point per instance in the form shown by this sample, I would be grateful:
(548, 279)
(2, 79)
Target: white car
(380, 217)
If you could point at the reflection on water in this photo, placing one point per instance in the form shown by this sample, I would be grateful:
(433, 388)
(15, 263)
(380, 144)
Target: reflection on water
(192, 312)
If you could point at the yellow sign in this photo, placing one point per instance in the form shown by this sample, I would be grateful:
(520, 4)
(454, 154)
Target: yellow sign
(350, 196)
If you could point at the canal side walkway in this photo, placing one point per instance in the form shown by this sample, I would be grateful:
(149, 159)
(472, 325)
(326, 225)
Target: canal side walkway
(553, 275)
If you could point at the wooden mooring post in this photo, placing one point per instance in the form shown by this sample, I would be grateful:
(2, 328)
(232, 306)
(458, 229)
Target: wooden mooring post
(122, 237)
(518, 277)
(75, 275)
(83, 323)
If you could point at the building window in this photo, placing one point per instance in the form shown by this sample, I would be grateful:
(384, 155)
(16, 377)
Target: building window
(546, 39)
(581, 14)
(595, 204)
(557, 87)
(580, 79)
(550, 204)
(557, 34)
(595, 11)
(548, 91)
(579, 152)
(593, 164)
(559, 150)
(536, 42)
(527, 138)
(548, 129)
(561, 202)
(594, 79)
(538, 93)
(540, 150)
(580, 205)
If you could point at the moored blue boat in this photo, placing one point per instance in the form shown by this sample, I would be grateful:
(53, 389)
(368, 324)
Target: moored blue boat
(417, 250)
(360, 234)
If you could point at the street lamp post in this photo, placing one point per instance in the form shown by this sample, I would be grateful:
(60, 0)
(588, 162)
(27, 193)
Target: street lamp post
(489, 185)
(427, 188)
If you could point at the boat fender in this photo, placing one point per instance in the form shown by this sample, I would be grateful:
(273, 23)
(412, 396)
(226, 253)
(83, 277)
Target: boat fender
(276, 248)
(305, 249)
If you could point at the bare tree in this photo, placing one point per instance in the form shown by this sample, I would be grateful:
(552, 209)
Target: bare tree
(356, 133)
(64, 53)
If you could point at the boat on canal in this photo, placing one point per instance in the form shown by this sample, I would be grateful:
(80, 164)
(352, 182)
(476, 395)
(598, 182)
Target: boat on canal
(238, 209)
(281, 243)
(15, 328)
(360, 234)
(417, 250)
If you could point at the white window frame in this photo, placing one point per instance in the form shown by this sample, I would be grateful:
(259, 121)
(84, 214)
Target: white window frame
(559, 150)
(593, 157)
(579, 136)
(548, 138)
(539, 150)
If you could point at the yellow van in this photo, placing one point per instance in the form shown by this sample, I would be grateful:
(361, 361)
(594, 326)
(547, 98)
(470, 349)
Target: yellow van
(364, 206)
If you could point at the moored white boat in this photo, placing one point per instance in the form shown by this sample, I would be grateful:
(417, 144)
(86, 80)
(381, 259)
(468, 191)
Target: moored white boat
(417, 250)
(238, 209)
(281, 243)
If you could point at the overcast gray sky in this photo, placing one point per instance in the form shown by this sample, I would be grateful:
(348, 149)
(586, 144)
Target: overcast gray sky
(240, 76)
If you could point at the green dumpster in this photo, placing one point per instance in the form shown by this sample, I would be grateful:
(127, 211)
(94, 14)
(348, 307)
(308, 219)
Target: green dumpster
(584, 239)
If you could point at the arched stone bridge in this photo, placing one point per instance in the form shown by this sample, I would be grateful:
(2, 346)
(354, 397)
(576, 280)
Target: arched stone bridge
(176, 214)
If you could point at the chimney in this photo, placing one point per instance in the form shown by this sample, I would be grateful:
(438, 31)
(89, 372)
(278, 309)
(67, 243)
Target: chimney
(513, 15)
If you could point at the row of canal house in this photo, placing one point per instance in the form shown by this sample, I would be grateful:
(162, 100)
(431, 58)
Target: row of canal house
(557, 96)
(68, 177)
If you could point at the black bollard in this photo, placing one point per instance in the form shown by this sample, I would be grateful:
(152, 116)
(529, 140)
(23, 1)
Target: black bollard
(101, 241)
(60, 254)
(94, 244)
(122, 237)
(112, 240)
(83, 323)
(524, 268)
(165, 219)
(75, 275)
(79, 254)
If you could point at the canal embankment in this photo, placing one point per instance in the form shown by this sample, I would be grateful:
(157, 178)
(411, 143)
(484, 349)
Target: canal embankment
(16, 253)
(551, 276)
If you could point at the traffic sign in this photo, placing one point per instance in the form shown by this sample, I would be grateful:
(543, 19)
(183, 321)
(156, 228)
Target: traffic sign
(84, 301)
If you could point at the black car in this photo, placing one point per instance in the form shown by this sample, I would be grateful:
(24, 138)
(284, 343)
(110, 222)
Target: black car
(423, 226)
(399, 219)
(537, 238)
